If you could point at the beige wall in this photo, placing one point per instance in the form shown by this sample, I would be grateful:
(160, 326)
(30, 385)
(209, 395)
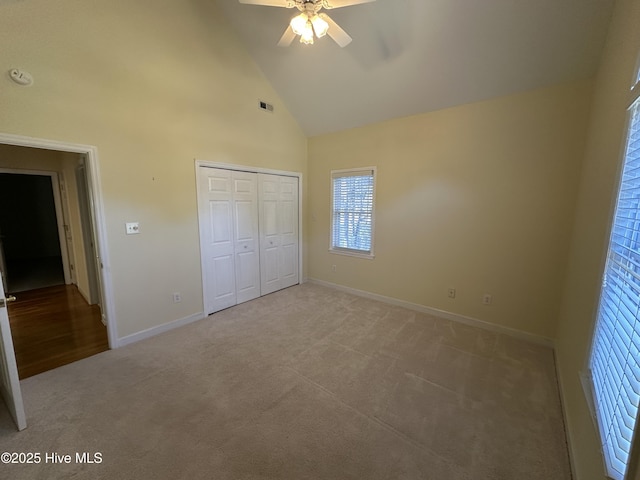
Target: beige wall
(153, 85)
(25, 158)
(478, 197)
(485, 193)
(591, 228)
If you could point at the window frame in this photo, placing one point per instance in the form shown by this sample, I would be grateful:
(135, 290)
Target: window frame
(370, 255)
(586, 377)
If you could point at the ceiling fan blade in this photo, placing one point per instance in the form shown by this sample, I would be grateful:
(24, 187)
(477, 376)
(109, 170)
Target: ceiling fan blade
(339, 36)
(345, 3)
(268, 3)
(287, 37)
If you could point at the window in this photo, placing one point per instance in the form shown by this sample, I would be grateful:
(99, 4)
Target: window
(352, 194)
(614, 362)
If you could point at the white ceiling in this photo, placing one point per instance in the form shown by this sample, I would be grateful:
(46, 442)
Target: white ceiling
(414, 56)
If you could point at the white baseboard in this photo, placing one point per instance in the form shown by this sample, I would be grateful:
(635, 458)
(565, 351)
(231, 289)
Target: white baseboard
(474, 322)
(153, 331)
(565, 419)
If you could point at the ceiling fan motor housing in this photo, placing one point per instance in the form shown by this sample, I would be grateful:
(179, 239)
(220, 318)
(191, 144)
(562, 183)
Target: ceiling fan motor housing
(310, 7)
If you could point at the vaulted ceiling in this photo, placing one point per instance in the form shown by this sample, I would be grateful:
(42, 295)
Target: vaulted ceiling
(415, 56)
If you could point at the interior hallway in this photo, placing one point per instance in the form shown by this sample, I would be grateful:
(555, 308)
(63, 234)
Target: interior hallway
(54, 326)
(34, 273)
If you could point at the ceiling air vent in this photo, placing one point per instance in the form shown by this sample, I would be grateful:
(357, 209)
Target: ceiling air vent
(265, 106)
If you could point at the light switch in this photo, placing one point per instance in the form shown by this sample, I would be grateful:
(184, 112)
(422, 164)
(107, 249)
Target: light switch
(133, 228)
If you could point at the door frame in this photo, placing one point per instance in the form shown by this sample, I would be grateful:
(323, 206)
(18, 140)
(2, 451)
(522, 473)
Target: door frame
(96, 208)
(10, 389)
(248, 169)
(88, 240)
(60, 218)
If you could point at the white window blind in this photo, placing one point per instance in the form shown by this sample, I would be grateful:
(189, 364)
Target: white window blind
(352, 211)
(615, 354)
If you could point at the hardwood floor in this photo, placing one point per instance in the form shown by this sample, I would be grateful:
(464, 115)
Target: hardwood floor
(54, 326)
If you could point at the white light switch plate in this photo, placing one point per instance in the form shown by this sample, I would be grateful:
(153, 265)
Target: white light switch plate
(133, 228)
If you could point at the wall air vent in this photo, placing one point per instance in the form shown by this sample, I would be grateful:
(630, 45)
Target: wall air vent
(265, 106)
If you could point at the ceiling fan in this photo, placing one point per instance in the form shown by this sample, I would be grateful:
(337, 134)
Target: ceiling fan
(309, 21)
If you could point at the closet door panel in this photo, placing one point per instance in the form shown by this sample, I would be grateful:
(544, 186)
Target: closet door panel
(246, 235)
(288, 231)
(223, 279)
(216, 207)
(247, 286)
(269, 246)
(278, 232)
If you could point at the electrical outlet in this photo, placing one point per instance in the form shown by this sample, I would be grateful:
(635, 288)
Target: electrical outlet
(177, 297)
(333, 268)
(486, 299)
(451, 293)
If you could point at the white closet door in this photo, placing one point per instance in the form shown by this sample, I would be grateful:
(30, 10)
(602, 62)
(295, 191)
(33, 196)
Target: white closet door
(288, 213)
(246, 235)
(249, 235)
(229, 222)
(278, 197)
(216, 213)
(269, 238)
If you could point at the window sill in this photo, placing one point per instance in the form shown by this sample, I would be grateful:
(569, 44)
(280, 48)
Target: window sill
(587, 389)
(352, 253)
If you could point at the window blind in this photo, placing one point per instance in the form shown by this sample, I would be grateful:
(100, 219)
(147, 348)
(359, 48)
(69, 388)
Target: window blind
(615, 355)
(352, 211)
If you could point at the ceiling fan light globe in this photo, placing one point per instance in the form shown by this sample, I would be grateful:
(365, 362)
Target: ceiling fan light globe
(306, 40)
(299, 23)
(307, 35)
(319, 26)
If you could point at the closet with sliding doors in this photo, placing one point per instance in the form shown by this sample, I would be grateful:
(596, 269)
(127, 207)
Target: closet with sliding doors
(249, 234)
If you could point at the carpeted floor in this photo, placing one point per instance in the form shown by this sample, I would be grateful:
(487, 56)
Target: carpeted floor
(305, 383)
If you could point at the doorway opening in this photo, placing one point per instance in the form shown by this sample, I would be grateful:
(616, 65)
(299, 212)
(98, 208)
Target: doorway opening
(49, 254)
(29, 239)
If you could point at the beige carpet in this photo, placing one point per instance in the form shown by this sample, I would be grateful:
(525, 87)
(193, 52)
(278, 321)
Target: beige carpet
(306, 383)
